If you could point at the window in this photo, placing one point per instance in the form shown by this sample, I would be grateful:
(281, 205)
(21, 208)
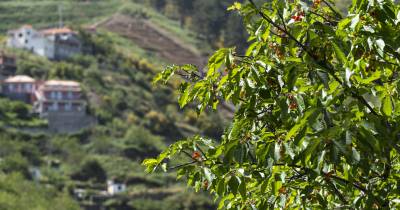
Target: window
(53, 95)
(70, 95)
(26, 41)
(28, 87)
(59, 95)
(11, 87)
(19, 87)
(55, 107)
(68, 106)
(20, 35)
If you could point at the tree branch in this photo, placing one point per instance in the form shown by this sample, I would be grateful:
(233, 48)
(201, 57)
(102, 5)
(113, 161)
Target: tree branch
(332, 9)
(330, 70)
(181, 165)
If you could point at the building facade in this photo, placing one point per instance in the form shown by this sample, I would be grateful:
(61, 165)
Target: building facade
(30, 39)
(65, 41)
(8, 66)
(114, 187)
(19, 87)
(53, 43)
(59, 96)
(60, 102)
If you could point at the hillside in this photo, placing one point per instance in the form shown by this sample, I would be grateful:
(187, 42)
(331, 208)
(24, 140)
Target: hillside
(135, 119)
(152, 38)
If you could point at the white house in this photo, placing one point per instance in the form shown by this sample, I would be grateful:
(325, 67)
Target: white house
(53, 43)
(30, 39)
(115, 188)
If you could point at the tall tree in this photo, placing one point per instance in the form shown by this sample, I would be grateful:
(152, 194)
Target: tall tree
(318, 110)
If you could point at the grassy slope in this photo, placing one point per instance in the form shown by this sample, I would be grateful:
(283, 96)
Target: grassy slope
(45, 13)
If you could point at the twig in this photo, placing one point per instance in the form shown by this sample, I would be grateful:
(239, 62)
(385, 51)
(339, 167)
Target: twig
(321, 64)
(181, 165)
(201, 151)
(332, 9)
(340, 195)
(321, 16)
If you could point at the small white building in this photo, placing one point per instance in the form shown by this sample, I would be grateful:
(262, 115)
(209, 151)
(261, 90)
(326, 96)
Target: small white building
(53, 43)
(35, 173)
(30, 39)
(115, 188)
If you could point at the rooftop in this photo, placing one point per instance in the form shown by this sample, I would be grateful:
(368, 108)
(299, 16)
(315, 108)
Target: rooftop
(52, 31)
(27, 26)
(19, 78)
(61, 85)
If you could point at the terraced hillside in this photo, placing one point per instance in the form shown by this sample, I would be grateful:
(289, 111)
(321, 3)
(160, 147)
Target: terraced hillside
(153, 33)
(42, 13)
(153, 38)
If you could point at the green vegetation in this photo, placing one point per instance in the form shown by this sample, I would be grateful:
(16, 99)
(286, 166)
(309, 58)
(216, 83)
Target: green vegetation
(317, 123)
(18, 193)
(135, 8)
(46, 13)
(17, 114)
(135, 119)
(75, 13)
(208, 18)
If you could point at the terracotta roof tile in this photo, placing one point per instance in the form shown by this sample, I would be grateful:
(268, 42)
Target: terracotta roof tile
(52, 31)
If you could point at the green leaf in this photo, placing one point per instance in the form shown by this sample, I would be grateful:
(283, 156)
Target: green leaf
(234, 183)
(184, 97)
(387, 108)
(242, 188)
(381, 46)
(343, 24)
(216, 61)
(339, 53)
(300, 125)
(150, 164)
(221, 187)
(354, 22)
(235, 6)
(356, 155)
(208, 175)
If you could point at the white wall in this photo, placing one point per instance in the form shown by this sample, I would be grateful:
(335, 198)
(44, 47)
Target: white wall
(32, 40)
(116, 188)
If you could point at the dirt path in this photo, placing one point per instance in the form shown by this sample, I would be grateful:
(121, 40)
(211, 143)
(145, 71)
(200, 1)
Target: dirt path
(152, 38)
